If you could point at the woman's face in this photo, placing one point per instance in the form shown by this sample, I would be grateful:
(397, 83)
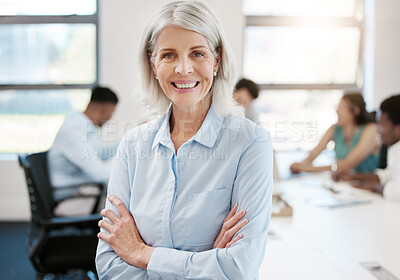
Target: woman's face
(184, 65)
(344, 112)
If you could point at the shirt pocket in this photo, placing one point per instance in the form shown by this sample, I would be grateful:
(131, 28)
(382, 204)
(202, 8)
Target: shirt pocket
(204, 215)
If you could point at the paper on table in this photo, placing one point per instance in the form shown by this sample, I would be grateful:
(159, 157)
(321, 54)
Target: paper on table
(341, 194)
(331, 201)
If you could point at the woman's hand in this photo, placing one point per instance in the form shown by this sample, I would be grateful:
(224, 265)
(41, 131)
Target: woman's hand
(295, 168)
(230, 227)
(341, 176)
(302, 166)
(123, 236)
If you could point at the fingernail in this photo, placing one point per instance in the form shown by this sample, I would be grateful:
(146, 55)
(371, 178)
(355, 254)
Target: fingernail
(240, 235)
(236, 205)
(242, 211)
(245, 221)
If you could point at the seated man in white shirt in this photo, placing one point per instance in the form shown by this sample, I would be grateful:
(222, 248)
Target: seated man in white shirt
(385, 181)
(78, 155)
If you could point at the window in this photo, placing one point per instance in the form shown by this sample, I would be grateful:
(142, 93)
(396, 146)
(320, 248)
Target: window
(48, 64)
(303, 54)
(304, 8)
(48, 7)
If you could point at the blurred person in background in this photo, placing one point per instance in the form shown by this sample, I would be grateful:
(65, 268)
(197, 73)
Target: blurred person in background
(384, 181)
(246, 91)
(355, 136)
(79, 157)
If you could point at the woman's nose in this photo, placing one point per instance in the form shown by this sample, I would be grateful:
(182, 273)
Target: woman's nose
(184, 67)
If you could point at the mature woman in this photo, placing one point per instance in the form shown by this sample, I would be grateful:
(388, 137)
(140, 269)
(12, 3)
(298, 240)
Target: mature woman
(178, 177)
(355, 137)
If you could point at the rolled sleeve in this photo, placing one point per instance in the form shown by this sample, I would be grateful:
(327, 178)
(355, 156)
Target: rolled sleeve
(166, 263)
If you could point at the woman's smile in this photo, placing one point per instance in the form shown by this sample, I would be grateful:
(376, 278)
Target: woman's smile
(185, 86)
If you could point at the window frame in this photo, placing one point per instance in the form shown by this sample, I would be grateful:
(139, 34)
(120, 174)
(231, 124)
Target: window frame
(313, 21)
(55, 19)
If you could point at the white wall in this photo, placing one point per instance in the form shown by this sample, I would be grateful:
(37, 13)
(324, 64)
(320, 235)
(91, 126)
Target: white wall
(387, 49)
(121, 24)
(14, 201)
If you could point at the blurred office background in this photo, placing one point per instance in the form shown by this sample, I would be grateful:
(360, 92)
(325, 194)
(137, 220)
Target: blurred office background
(303, 54)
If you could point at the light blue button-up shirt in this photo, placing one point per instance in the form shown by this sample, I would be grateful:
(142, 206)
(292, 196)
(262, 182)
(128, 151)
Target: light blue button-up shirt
(78, 155)
(179, 200)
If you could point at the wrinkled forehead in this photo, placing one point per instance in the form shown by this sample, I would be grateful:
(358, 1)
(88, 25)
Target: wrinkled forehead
(173, 37)
(187, 32)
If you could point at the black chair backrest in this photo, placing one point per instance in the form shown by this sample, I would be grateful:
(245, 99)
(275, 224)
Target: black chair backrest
(383, 157)
(39, 187)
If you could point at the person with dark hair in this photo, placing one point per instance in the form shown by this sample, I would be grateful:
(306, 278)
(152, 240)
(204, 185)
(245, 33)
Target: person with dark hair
(355, 137)
(384, 181)
(103, 95)
(78, 155)
(245, 92)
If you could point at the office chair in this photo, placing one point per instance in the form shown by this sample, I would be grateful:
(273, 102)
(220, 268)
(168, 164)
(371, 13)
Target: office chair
(383, 157)
(383, 151)
(55, 244)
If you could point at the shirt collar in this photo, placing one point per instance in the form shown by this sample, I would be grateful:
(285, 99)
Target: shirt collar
(163, 135)
(395, 148)
(209, 130)
(207, 134)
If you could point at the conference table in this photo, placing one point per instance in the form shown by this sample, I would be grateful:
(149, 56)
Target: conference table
(336, 232)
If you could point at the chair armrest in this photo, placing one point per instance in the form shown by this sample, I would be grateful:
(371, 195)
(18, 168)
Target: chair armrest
(99, 186)
(79, 185)
(76, 221)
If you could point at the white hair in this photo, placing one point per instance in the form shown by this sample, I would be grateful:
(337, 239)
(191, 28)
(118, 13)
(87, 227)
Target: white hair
(198, 17)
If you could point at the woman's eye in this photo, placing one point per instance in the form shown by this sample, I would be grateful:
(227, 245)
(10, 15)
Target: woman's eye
(168, 55)
(198, 54)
